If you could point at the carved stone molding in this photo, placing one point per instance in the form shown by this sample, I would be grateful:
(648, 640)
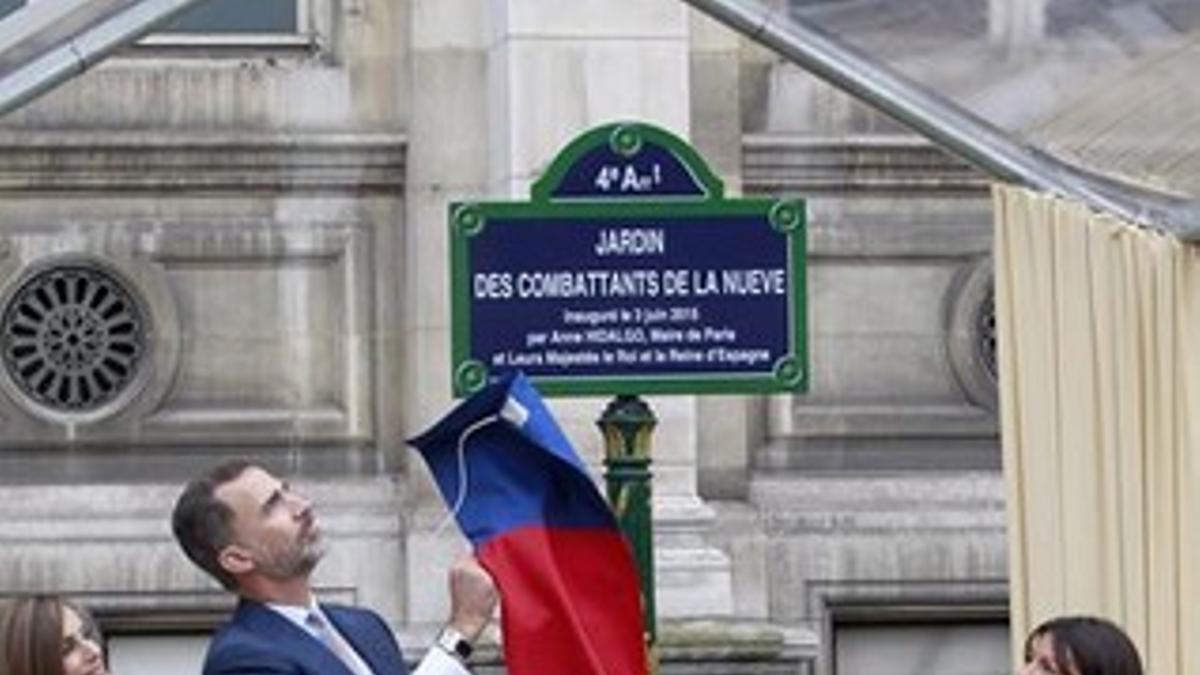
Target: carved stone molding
(175, 163)
(259, 334)
(870, 164)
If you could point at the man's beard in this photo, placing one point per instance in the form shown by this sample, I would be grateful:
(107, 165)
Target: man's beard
(298, 559)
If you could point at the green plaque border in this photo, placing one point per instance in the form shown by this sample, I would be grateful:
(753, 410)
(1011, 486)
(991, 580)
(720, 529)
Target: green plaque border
(788, 217)
(609, 134)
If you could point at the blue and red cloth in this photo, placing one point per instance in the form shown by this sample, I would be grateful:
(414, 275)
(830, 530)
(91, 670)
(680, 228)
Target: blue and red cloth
(570, 601)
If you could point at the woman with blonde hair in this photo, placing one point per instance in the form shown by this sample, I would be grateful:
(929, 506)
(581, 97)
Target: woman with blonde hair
(49, 635)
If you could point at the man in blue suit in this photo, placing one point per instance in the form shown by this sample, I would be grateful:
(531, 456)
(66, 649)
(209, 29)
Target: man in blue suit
(259, 538)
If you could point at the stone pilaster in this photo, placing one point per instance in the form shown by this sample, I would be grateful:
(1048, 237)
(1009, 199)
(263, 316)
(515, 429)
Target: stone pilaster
(556, 69)
(1014, 24)
(447, 161)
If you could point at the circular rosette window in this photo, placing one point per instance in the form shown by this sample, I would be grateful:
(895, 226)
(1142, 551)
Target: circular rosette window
(972, 334)
(74, 338)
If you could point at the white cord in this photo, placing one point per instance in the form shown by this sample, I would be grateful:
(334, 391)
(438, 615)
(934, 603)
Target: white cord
(462, 471)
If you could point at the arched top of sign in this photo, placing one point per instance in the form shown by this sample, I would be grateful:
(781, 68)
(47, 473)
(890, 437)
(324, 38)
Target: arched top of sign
(628, 161)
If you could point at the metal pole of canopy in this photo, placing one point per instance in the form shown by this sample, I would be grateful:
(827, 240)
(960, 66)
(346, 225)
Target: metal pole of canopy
(47, 43)
(949, 125)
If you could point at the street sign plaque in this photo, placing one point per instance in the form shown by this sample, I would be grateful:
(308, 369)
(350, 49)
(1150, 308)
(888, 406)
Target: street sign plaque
(628, 272)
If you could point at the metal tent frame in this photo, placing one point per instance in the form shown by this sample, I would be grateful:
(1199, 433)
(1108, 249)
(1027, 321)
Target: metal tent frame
(949, 125)
(46, 43)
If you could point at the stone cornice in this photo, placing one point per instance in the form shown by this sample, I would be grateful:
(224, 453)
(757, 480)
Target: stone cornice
(32, 162)
(891, 165)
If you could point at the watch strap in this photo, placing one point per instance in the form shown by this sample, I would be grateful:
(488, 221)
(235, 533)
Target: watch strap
(454, 643)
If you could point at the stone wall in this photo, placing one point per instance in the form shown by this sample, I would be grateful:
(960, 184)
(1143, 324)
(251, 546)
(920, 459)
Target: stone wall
(277, 213)
(249, 198)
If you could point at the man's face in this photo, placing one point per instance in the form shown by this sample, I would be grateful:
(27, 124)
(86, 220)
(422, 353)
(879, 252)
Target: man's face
(273, 525)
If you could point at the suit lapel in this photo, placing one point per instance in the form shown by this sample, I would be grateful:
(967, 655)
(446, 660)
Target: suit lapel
(304, 649)
(365, 634)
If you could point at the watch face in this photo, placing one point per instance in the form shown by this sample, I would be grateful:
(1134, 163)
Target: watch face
(453, 642)
(463, 649)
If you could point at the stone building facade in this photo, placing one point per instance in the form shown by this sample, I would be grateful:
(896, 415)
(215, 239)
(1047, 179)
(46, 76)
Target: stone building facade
(261, 209)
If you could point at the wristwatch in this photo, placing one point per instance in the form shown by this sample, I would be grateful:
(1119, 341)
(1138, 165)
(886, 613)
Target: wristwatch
(454, 643)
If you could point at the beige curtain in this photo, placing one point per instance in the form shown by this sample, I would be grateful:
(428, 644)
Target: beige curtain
(1100, 407)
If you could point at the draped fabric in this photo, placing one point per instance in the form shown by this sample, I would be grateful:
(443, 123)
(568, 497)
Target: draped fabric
(569, 595)
(1100, 406)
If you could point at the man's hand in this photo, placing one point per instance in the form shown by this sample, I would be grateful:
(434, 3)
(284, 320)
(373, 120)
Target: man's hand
(472, 597)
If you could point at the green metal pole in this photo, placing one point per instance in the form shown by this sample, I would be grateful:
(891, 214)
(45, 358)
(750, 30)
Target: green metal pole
(627, 423)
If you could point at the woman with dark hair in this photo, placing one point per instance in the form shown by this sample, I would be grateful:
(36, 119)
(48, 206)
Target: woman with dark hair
(49, 635)
(1080, 645)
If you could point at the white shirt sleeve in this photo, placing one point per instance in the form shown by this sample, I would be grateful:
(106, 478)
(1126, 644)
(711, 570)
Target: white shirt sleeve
(438, 662)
